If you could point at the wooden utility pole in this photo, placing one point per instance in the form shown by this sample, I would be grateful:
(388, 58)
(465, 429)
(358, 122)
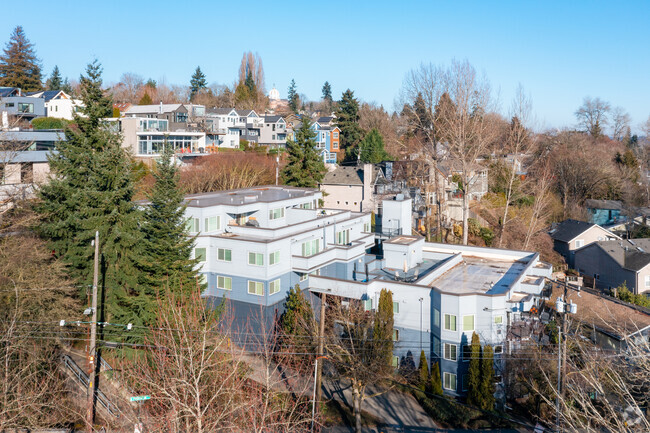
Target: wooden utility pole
(92, 352)
(321, 338)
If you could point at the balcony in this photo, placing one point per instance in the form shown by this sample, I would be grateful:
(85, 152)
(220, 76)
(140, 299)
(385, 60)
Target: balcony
(343, 253)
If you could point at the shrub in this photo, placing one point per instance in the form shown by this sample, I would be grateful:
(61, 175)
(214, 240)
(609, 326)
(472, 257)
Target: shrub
(49, 123)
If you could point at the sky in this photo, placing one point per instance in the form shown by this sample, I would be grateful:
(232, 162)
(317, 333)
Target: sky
(559, 51)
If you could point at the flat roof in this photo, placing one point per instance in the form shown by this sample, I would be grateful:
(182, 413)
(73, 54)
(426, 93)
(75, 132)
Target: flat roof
(403, 240)
(236, 197)
(412, 275)
(479, 275)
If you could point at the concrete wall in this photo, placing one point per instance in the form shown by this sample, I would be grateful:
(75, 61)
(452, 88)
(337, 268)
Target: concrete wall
(396, 215)
(348, 197)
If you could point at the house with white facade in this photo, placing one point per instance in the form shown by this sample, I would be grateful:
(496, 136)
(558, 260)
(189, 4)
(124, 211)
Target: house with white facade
(146, 137)
(58, 104)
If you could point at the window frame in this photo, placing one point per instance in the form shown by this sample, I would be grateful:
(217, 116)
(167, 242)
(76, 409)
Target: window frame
(395, 307)
(444, 352)
(256, 261)
(498, 320)
(257, 285)
(224, 279)
(208, 223)
(473, 322)
(274, 287)
(205, 254)
(224, 250)
(273, 216)
(455, 322)
(445, 376)
(274, 258)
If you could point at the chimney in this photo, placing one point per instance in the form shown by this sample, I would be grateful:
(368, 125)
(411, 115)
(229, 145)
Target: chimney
(161, 109)
(367, 185)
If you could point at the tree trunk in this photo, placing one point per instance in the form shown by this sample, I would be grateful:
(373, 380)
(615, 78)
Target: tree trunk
(465, 209)
(508, 197)
(356, 402)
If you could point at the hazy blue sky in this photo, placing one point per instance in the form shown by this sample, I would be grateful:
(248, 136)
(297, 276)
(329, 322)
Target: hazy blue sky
(560, 51)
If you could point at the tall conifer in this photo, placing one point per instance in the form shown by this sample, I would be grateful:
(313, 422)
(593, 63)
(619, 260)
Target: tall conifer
(436, 382)
(487, 378)
(19, 66)
(55, 81)
(474, 394)
(347, 119)
(383, 327)
(304, 169)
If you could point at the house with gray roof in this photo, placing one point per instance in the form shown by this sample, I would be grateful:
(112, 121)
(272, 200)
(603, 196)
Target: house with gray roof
(175, 114)
(570, 235)
(604, 212)
(352, 187)
(615, 262)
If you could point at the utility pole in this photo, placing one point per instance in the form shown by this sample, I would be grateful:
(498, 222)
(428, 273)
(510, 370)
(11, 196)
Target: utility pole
(321, 337)
(561, 308)
(277, 168)
(92, 352)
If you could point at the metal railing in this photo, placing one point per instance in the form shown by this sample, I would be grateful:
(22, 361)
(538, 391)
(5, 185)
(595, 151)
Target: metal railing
(82, 378)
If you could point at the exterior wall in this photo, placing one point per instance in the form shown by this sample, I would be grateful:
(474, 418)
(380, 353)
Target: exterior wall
(604, 217)
(592, 261)
(396, 216)
(347, 197)
(589, 236)
(274, 134)
(62, 108)
(10, 105)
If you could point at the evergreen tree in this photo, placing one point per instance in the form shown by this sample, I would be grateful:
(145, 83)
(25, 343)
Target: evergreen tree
(372, 148)
(487, 379)
(167, 262)
(327, 95)
(474, 394)
(250, 83)
(383, 327)
(347, 119)
(67, 88)
(151, 83)
(292, 96)
(298, 315)
(19, 66)
(197, 83)
(436, 383)
(423, 368)
(304, 168)
(92, 190)
(55, 81)
(145, 100)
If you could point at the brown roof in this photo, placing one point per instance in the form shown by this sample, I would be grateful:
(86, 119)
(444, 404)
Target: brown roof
(604, 313)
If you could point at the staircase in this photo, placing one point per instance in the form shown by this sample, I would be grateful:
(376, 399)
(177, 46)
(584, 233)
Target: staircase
(82, 378)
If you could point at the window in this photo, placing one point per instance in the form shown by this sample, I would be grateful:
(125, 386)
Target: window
(256, 288)
(192, 225)
(212, 223)
(498, 350)
(367, 304)
(343, 237)
(25, 107)
(498, 320)
(310, 248)
(224, 283)
(302, 277)
(449, 381)
(224, 255)
(276, 213)
(450, 322)
(274, 258)
(465, 382)
(256, 259)
(335, 134)
(395, 307)
(468, 323)
(9, 104)
(274, 287)
(450, 353)
(335, 145)
(436, 317)
(395, 361)
(395, 335)
(199, 254)
(436, 345)
(366, 227)
(580, 243)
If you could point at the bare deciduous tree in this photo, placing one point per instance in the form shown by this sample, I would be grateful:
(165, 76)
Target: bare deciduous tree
(620, 123)
(592, 115)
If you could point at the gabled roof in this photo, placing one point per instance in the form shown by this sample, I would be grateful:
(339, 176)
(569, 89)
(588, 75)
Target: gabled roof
(273, 119)
(223, 111)
(349, 175)
(570, 229)
(246, 113)
(159, 108)
(48, 95)
(9, 91)
(603, 204)
(629, 254)
(325, 119)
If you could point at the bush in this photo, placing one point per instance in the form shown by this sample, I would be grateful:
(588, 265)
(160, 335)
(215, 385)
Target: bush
(487, 235)
(49, 123)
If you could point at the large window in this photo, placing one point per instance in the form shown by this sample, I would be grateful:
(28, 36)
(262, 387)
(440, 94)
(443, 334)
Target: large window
(199, 254)
(256, 288)
(449, 381)
(274, 287)
(224, 255)
(25, 108)
(274, 258)
(367, 304)
(451, 352)
(436, 345)
(343, 237)
(192, 225)
(450, 322)
(256, 259)
(212, 223)
(310, 248)
(224, 283)
(468, 323)
(498, 320)
(276, 213)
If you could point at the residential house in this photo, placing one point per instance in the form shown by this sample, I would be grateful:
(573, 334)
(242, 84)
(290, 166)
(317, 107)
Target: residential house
(176, 115)
(146, 137)
(122, 107)
(255, 244)
(613, 263)
(352, 187)
(274, 132)
(19, 105)
(20, 172)
(604, 212)
(223, 127)
(58, 104)
(609, 322)
(28, 139)
(327, 141)
(570, 235)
